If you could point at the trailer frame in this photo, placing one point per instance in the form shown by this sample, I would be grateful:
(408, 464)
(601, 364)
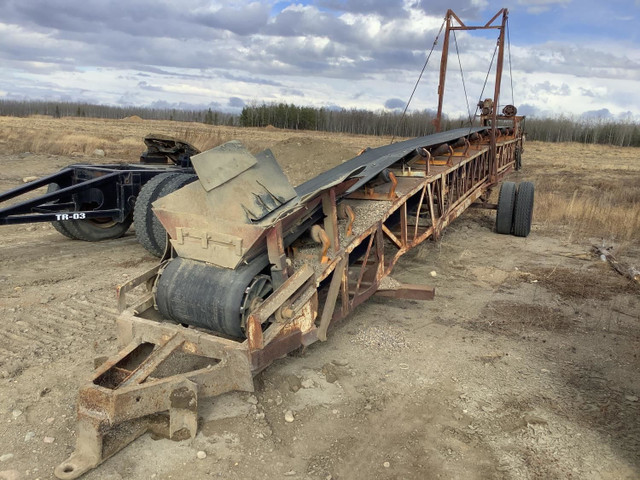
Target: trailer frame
(87, 192)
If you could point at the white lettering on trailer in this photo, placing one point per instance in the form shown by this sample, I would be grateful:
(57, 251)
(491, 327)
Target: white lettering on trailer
(70, 216)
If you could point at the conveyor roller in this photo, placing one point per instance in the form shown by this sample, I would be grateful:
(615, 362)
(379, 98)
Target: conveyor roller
(202, 295)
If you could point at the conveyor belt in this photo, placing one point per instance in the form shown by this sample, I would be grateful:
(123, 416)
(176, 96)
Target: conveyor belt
(202, 295)
(370, 163)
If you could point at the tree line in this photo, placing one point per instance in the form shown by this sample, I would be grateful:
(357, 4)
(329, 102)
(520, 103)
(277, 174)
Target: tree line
(25, 108)
(595, 130)
(350, 121)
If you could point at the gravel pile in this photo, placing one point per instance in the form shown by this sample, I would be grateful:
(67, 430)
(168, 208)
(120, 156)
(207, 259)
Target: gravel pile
(381, 338)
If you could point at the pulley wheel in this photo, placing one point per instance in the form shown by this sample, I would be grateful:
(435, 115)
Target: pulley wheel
(202, 295)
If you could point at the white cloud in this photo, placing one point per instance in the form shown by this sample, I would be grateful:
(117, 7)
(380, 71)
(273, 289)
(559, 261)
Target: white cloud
(360, 55)
(540, 6)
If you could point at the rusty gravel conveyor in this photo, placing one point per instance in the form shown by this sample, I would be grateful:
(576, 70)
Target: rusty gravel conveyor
(256, 268)
(199, 270)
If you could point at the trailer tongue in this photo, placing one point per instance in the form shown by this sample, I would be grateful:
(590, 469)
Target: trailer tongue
(97, 202)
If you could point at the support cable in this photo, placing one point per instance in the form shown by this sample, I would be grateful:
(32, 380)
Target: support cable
(435, 42)
(464, 86)
(513, 102)
(486, 79)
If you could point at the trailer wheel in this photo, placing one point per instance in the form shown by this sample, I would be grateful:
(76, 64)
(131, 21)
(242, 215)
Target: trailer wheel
(143, 217)
(523, 211)
(506, 201)
(518, 159)
(149, 231)
(58, 225)
(98, 229)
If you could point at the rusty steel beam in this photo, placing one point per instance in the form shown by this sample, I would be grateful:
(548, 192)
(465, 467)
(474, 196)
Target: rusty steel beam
(449, 19)
(407, 291)
(496, 91)
(443, 71)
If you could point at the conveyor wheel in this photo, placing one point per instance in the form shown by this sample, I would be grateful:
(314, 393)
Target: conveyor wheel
(518, 159)
(506, 201)
(523, 211)
(219, 299)
(257, 291)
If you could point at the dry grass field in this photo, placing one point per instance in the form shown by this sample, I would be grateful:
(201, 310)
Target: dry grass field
(524, 366)
(586, 190)
(122, 139)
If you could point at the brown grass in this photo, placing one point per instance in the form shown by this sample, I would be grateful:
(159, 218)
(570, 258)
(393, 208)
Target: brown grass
(586, 191)
(597, 282)
(516, 319)
(120, 139)
(123, 139)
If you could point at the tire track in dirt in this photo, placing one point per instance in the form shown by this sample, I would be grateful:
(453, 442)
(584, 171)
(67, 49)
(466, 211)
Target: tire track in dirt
(41, 326)
(66, 325)
(17, 248)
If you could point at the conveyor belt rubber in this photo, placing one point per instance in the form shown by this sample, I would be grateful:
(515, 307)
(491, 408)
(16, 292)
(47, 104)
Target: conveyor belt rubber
(195, 293)
(370, 163)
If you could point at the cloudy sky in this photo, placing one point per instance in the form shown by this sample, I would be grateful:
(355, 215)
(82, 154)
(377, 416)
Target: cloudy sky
(567, 56)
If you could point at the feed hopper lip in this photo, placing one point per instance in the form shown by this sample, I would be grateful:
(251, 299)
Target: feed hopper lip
(222, 216)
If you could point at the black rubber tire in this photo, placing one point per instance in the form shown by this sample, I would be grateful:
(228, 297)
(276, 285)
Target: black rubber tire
(518, 159)
(195, 293)
(143, 217)
(96, 230)
(523, 211)
(90, 230)
(506, 202)
(58, 225)
(149, 231)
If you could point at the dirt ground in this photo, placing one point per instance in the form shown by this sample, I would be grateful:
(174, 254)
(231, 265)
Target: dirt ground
(524, 366)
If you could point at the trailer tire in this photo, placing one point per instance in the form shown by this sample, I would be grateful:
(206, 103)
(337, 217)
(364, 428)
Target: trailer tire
(149, 231)
(523, 211)
(518, 159)
(506, 202)
(98, 229)
(143, 216)
(58, 225)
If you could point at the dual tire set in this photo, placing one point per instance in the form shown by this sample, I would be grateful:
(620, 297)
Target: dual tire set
(515, 209)
(149, 231)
